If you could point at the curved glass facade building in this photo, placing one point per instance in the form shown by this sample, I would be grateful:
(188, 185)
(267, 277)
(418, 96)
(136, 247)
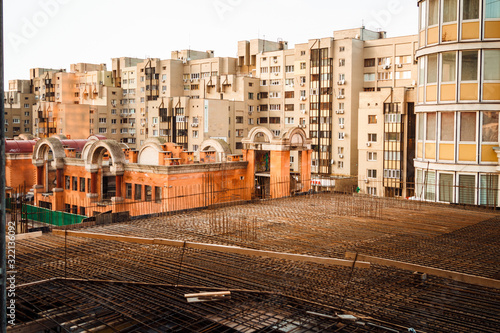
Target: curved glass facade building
(458, 102)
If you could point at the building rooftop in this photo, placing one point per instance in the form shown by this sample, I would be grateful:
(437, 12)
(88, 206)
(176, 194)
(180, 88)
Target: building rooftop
(283, 294)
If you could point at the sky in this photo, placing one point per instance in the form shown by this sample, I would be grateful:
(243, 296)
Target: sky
(57, 33)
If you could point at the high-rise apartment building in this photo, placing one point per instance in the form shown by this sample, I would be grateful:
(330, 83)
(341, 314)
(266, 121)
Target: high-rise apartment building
(386, 118)
(18, 103)
(458, 101)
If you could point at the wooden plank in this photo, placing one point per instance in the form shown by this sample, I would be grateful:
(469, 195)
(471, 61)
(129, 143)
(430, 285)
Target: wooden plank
(28, 235)
(455, 276)
(218, 248)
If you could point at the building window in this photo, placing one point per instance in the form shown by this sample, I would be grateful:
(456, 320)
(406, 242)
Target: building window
(392, 136)
(289, 120)
(430, 188)
(275, 69)
(433, 12)
(469, 66)
(372, 156)
(466, 189)
(468, 126)
(403, 75)
(492, 9)
(432, 68)
(67, 182)
(75, 183)
(149, 192)
(138, 192)
(392, 173)
(372, 137)
(195, 147)
(449, 11)
(447, 126)
(488, 190)
(490, 127)
(302, 65)
(239, 120)
(470, 9)
(341, 135)
(448, 67)
(430, 134)
(195, 134)
(370, 62)
(157, 194)
(371, 173)
(128, 191)
(250, 95)
(384, 76)
(372, 119)
(368, 77)
(82, 184)
(491, 64)
(371, 190)
(250, 121)
(341, 62)
(445, 187)
(264, 70)
(263, 83)
(341, 48)
(289, 69)
(239, 133)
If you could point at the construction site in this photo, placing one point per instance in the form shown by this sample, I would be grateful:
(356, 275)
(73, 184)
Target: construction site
(318, 262)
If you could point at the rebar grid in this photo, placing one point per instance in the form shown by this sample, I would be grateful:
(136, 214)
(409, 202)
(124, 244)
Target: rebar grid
(307, 225)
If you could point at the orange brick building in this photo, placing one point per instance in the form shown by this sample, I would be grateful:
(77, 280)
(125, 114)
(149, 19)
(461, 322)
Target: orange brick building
(162, 177)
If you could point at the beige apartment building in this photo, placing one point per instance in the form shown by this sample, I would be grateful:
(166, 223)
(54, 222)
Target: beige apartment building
(18, 103)
(386, 127)
(331, 87)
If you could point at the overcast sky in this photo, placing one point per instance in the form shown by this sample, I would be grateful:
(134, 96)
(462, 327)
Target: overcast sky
(57, 33)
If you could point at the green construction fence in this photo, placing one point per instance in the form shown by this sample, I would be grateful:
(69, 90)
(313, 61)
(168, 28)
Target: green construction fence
(52, 217)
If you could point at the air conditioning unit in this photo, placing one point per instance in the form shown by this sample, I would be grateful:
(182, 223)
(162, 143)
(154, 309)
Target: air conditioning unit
(342, 126)
(339, 111)
(303, 111)
(132, 134)
(191, 80)
(302, 98)
(276, 74)
(340, 97)
(153, 125)
(413, 83)
(367, 181)
(332, 161)
(341, 156)
(275, 61)
(386, 66)
(341, 82)
(194, 125)
(400, 65)
(302, 84)
(368, 144)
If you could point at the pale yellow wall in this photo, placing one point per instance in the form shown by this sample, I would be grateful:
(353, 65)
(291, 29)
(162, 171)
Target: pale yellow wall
(467, 152)
(447, 151)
